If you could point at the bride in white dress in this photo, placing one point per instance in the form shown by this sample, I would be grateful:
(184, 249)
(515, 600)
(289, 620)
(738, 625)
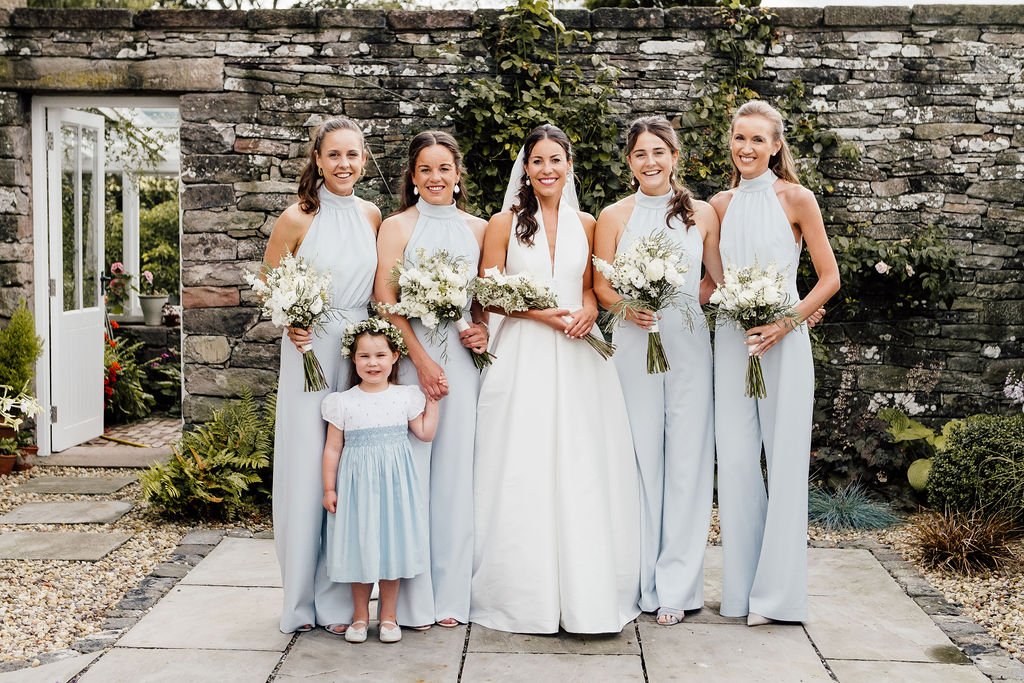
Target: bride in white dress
(555, 485)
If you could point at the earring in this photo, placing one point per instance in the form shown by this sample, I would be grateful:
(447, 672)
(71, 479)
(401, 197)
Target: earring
(526, 180)
(416, 191)
(320, 171)
(456, 190)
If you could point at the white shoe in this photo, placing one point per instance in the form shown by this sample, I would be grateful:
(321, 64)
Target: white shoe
(390, 634)
(758, 620)
(356, 632)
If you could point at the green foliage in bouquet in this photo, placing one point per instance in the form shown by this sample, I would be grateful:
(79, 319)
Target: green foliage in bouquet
(532, 84)
(222, 469)
(19, 349)
(981, 467)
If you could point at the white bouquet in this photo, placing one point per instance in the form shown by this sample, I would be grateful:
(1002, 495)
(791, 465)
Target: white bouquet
(649, 274)
(750, 297)
(435, 290)
(520, 292)
(295, 295)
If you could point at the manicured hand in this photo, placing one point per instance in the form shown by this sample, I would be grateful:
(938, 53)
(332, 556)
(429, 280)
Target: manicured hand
(475, 338)
(815, 318)
(641, 318)
(432, 379)
(553, 318)
(301, 337)
(764, 337)
(581, 321)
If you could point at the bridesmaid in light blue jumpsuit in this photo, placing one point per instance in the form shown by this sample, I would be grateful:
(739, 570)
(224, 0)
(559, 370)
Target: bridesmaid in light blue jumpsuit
(429, 219)
(767, 218)
(670, 414)
(335, 232)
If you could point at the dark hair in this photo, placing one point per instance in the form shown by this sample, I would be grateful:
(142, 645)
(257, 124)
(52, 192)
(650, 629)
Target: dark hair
(353, 375)
(525, 208)
(429, 138)
(682, 199)
(310, 181)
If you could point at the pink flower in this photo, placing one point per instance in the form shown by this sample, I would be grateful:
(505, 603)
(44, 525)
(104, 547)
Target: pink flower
(147, 276)
(882, 267)
(117, 268)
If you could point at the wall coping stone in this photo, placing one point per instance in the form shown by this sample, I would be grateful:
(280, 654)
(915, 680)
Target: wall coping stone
(867, 16)
(617, 17)
(692, 17)
(351, 18)
(405, 20)
(69, 19)
(983, 15)
(197, 18)
(799, 17)
(281, 18)
(574, 18)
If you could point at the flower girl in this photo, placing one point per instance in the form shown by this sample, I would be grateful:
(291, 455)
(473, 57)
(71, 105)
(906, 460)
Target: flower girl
(376, 526)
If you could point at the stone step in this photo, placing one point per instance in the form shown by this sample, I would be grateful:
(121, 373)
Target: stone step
(76, 485)
(59, 545)
(106, 456)
(68, 512)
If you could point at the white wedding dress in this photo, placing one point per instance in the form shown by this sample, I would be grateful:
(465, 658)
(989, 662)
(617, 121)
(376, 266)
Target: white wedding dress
(557, 536)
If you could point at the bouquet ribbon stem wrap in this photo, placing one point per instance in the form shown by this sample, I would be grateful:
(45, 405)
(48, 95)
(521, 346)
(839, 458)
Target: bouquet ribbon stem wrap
(656, 359)
(481, 359)
(312, 374)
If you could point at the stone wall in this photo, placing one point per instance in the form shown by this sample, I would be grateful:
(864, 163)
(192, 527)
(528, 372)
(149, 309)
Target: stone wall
(932, 96)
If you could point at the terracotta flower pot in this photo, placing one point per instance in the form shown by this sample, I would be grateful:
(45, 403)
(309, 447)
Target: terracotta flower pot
(7, 461)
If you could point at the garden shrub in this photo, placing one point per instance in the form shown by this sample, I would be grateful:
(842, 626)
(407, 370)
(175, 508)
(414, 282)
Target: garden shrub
(124, 397)
(848, 507)
(220, 470)
(981, 467)
(19, 349)
(966, 542)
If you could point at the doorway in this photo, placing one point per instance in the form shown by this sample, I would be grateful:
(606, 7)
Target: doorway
(90, 158)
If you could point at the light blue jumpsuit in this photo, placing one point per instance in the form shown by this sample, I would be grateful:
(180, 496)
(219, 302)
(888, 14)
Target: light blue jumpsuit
(764, 533)
(672, 421)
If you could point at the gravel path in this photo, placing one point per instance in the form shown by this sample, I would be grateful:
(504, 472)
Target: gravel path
(48, 605)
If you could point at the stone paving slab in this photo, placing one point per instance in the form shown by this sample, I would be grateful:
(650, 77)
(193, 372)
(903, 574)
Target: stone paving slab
(728, 653)
(106, 456)
(432, 656)
(860, 570)
(55, 672)
(238, 562)
(123, 665)
(882, 624)
(76, 485)
(214, 617)
(58, 545)
(481, 667)
(68, 512)
(483, 639)
(904, 672)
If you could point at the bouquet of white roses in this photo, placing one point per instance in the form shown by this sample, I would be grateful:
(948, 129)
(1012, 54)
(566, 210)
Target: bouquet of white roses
(649, 274)
(520, 292)
(295, 295)
(750, 297)
(435, 290)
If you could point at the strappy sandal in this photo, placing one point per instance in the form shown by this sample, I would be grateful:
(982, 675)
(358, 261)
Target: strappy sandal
(336, 629)
(670, 617)
(449, 622)
(356, 633)
(305, 628)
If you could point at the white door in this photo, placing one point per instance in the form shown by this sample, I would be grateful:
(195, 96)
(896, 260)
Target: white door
(75, 191)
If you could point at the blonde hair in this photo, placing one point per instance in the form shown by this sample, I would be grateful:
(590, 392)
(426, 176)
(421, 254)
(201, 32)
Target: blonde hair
(781, 163)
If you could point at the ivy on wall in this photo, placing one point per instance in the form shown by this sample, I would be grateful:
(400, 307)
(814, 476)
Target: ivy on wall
(531, 84)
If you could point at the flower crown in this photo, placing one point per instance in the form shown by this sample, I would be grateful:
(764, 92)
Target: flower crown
(376, 325)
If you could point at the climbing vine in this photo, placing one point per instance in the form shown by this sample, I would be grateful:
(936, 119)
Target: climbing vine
(531, 83)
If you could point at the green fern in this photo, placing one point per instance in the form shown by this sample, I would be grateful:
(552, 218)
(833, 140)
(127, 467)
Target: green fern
(220, 469)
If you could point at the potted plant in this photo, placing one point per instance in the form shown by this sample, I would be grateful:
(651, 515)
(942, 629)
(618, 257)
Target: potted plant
(27, 450)
(118, 287)
(151, 298)
(14, 410)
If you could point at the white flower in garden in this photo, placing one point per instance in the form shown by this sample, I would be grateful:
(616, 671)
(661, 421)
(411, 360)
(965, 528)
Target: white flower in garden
(910, 270)
(882, 267)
